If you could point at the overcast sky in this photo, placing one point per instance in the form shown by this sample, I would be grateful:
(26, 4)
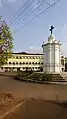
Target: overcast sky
(31, 37)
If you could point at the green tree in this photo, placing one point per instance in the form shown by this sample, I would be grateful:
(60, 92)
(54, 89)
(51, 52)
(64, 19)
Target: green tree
(6, 42)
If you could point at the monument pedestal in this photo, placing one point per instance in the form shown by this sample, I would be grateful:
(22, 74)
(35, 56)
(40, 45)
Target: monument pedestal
(52, 57)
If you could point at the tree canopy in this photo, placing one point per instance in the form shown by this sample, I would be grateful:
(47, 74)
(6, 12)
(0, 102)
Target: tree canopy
(6, 42)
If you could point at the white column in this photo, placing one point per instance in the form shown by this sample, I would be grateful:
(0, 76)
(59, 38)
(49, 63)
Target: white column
(51, 52)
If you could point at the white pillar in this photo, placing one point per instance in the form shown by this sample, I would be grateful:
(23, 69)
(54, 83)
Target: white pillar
(51, 51)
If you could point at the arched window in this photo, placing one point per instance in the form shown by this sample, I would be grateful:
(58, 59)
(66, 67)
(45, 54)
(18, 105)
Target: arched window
(17, 57)
(9, 62)
(23, 67)
(20, 57)
(1, 67)
(62, 57)
(26, 57)
(23, 57)
(20, 63)
(33, 57)
(13, 63)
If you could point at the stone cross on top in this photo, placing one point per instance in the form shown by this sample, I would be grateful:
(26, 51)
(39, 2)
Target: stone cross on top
(51, 29)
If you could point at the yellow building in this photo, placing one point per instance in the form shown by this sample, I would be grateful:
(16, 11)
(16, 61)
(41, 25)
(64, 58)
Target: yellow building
(27, 61)
(24, 61)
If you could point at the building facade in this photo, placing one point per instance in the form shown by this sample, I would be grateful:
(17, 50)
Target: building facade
(24, 61)
(27, 61)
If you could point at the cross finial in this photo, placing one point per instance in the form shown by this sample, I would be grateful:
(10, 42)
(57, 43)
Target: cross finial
(51, 29)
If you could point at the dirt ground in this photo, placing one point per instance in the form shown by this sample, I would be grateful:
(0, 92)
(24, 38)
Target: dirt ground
(7, 103)
(35, 109)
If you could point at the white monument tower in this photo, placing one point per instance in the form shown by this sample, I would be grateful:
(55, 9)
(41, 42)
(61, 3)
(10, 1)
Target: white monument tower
(51, 51)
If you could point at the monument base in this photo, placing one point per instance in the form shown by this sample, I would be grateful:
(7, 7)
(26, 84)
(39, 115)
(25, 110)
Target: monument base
(56, 77)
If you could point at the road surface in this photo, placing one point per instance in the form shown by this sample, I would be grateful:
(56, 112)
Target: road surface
(26, 90)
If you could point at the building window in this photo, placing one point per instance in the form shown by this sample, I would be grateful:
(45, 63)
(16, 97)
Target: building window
(23, 62)
(62, 69)
(62, 62)
(33, 57)
(30, 57)
(41, 62)
(26, 62)
(20, 63)
(29, 62)
(9, 62)
(16, 62)
(62, 57)
(32, 62)
(13, 63)
(20, 57)
(1, 67)
(23, 67)
(23, 57)
(33, 68)
(17, 57)
(36, 67)
(27, 57)
(35, 62)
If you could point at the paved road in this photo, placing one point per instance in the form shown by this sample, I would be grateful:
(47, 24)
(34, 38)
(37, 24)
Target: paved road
(35, 109)
(25, 90)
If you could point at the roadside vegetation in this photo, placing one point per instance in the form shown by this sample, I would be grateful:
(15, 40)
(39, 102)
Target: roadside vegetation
(38, 77)
(6, 42)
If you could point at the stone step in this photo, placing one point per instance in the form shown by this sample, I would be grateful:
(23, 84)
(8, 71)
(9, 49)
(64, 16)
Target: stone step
(56, 77)
(64, 75)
